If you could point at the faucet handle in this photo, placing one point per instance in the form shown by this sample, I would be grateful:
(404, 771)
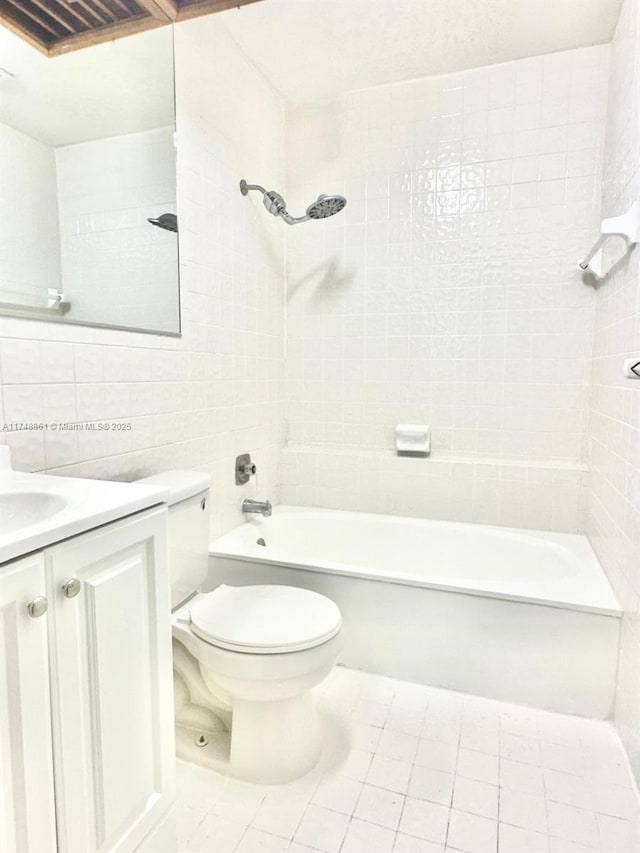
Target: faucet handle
(245, 468)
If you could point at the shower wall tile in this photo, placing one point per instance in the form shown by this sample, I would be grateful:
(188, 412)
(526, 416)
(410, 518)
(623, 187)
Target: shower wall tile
(447, 292)
(537, 497)
(198, 401)
(613, 512)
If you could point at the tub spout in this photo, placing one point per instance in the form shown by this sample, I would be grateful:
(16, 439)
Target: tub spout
(261, 507)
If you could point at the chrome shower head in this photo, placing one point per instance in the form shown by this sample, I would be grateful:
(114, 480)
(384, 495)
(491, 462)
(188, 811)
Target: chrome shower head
(323, 207)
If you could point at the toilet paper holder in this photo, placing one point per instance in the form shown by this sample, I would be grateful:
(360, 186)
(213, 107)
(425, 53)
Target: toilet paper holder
(413, 439)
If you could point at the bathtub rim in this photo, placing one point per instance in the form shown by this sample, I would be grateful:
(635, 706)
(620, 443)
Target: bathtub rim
(340, 569)
(335, 568)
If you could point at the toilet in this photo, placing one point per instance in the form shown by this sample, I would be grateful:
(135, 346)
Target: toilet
(245, 657)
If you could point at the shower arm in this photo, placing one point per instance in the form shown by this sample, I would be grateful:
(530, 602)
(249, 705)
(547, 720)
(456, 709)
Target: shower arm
(245, 187)
(274, 203)
(292, 220)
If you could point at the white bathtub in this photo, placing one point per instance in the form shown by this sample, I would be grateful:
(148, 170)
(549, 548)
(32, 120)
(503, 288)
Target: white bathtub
(524, 616)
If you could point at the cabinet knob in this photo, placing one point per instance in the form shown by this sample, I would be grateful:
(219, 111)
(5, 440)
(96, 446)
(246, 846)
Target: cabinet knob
(71, 588)
(38, 607)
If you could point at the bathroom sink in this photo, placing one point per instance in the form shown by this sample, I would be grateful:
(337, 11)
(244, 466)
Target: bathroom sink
(37, 510)
(24, 508)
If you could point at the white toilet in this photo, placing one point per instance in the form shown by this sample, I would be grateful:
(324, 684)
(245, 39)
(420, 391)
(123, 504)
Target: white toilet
(245, 657)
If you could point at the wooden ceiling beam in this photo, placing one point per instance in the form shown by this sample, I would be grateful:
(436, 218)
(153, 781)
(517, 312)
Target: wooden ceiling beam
(122, 6)
(53, 29)
(86, 13)
(50, 10)
(129, 27)
(37, 19)
(164, 8)
(21, 30)
(195, 8)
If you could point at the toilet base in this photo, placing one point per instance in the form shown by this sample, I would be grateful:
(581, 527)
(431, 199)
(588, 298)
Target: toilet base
(270, 743)
(274, 742)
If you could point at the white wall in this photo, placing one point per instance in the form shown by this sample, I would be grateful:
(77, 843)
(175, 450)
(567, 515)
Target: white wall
(197, 401)
(613, 521)
(447, 293)
(29, 236)
(117, 268)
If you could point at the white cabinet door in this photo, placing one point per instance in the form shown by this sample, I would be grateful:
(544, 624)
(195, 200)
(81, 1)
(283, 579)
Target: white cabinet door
(112, 690)
(27, 814)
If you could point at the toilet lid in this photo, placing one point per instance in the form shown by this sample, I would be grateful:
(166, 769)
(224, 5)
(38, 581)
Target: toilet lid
(264, 619)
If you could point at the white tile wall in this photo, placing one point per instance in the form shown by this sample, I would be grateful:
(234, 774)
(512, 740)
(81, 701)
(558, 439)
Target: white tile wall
(118, 269)
(198, 401)
(30, 259)
(613, 520)
(528, 495)
(447, 293)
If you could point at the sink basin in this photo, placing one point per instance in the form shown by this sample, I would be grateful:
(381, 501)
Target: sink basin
(37, 510)
(24, 508)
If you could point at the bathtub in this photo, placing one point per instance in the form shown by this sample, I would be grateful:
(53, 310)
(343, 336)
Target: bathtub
(517, 615)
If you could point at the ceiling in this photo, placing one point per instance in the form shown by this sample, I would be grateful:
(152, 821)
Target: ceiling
(307, 50)
(79, 97)
(315, 49)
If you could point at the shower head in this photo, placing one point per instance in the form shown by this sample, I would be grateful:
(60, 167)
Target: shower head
(326, 205)
(167, 221)
(323, 207)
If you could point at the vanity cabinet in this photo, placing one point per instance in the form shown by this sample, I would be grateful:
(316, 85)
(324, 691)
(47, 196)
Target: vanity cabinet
(27, 812)
(100, 660)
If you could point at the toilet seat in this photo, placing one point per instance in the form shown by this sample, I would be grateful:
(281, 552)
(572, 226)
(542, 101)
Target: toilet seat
(265, 619)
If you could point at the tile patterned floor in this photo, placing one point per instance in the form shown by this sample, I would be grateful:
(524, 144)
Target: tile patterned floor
(412, 769)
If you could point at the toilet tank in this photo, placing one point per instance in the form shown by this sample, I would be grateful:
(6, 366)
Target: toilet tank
(188, 501)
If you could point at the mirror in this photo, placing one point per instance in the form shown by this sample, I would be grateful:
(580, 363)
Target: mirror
(88, 226)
